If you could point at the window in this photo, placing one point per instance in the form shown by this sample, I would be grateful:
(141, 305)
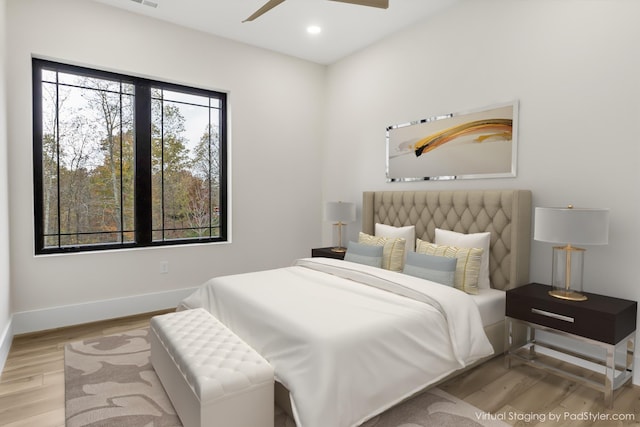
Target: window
(123, 162)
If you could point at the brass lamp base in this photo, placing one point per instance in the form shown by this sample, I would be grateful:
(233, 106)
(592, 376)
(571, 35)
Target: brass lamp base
(566, 277)
(568, 295)
(339, 249)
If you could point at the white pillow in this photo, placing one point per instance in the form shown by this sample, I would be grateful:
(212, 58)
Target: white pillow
(473, 240)
(408, 233)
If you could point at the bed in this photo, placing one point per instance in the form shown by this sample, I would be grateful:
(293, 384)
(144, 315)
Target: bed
(348, 341)
(506, 214)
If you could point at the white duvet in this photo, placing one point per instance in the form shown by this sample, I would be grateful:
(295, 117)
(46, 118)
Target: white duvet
(347, 340)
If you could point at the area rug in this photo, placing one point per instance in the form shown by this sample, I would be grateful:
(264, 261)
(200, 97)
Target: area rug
(109, 381)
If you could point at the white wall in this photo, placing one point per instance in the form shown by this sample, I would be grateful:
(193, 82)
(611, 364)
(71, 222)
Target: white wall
(276, 107)
(5, 291)
(573, 65)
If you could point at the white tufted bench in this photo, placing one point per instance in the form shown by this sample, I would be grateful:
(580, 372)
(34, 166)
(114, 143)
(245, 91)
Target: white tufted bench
(212, 377)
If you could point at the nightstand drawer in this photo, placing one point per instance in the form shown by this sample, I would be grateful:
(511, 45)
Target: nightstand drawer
(599, 318)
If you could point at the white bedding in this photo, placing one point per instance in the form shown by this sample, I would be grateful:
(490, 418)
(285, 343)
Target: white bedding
(491, 304)
(346, 350)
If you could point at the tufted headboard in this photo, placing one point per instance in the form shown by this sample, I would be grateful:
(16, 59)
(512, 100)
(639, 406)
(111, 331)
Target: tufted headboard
(505, 213)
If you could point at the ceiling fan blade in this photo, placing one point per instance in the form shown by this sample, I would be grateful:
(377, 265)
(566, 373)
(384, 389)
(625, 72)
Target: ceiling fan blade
(267, 7)
(383, 4)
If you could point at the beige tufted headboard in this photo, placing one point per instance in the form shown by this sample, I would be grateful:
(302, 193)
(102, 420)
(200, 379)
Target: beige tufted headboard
(505, 213)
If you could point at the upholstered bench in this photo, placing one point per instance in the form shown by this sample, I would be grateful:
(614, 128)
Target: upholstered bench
(212, 377)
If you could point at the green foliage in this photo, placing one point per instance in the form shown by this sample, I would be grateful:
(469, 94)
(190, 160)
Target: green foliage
(88, 153)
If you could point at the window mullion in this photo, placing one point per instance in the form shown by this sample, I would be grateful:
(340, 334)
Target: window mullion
(120, 132)
(142, 121)
(162, 205)
(56, 133)
(210, 161)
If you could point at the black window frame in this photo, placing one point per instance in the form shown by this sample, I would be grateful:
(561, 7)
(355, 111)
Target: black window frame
(143, 160)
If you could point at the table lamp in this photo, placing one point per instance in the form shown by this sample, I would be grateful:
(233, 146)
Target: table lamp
(340, 213)
(570, 226)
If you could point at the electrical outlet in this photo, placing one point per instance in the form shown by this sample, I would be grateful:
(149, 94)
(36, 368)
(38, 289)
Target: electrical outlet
(164, 267)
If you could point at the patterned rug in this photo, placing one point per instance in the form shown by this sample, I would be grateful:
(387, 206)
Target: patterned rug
(109, 381)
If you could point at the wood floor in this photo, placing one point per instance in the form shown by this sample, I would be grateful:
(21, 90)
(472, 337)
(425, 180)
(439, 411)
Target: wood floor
(32, 386)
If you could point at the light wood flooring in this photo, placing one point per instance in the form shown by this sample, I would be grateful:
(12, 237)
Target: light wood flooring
(32, 386)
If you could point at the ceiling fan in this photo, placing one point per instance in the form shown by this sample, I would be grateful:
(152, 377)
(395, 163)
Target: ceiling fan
(383, 4)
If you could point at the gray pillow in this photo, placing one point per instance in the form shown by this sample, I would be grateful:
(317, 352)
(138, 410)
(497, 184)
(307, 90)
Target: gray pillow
(364, 254)
(438, 269)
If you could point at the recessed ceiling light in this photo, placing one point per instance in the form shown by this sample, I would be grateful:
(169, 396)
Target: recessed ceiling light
(314, 29)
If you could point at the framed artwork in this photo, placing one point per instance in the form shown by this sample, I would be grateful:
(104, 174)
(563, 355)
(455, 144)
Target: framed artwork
(475, 144)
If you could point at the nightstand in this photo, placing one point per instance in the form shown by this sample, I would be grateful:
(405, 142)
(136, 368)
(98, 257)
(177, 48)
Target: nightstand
(600, 323)
(326, 253)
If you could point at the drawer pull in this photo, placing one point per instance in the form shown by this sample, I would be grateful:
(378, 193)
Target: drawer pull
(554, 315)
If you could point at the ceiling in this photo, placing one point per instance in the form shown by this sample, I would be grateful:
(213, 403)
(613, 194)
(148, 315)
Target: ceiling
(346, 28)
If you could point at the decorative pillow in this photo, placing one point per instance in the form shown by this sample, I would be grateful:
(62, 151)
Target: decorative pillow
(408, 233)
(467, 267)
(364, 254)
(439, 269)
(473, 240)
(393, 250)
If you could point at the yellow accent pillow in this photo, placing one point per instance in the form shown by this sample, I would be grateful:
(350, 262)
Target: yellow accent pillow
(392, 252)
(473, 240)
(467, 266)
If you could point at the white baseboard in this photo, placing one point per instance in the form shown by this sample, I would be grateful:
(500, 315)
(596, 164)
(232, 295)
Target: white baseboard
(5, 343)
(68, 315)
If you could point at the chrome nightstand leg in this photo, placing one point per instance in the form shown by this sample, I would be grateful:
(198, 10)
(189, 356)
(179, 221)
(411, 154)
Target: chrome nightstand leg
(631, 346)
(508, 342)
(531, 337)
(610, 376)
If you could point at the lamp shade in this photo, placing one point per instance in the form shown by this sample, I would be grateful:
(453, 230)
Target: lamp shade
(577, 226)
(340, 211)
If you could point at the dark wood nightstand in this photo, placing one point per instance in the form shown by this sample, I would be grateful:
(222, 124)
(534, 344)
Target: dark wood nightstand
(326, 253)
(604, 322)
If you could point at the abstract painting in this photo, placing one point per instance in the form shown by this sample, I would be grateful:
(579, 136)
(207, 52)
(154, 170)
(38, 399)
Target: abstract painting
(474, 144)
